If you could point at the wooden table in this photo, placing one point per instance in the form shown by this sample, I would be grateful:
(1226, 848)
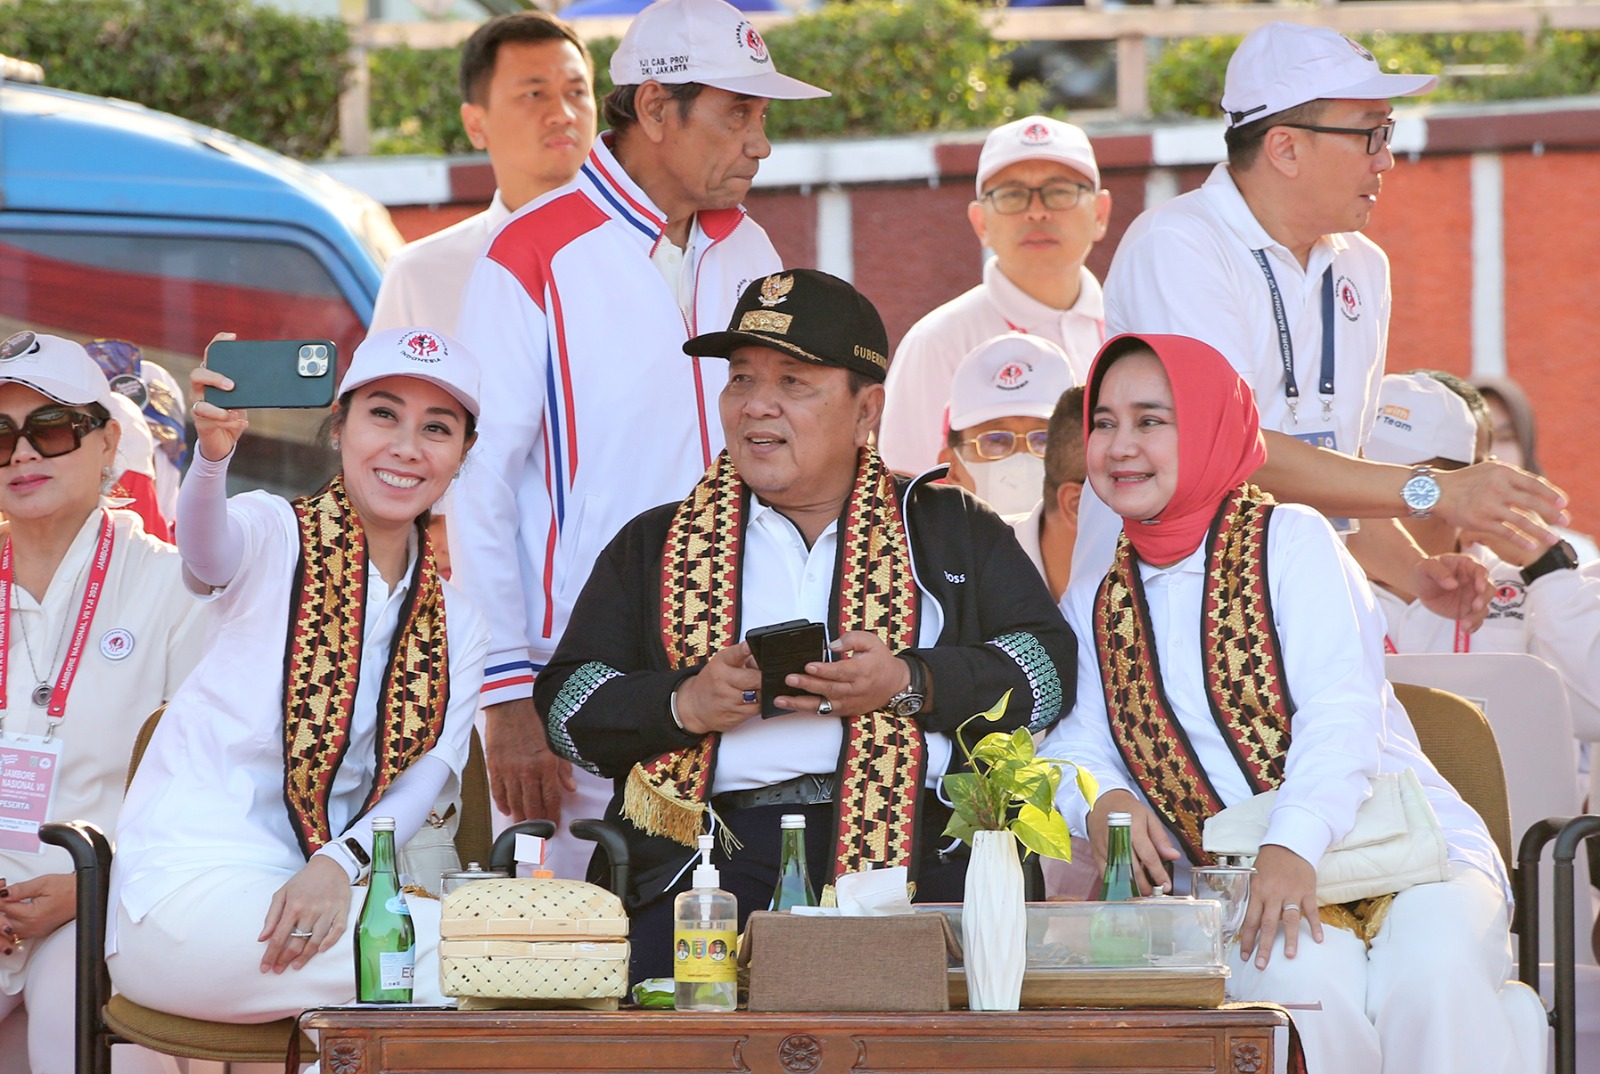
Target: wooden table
(367, 1041)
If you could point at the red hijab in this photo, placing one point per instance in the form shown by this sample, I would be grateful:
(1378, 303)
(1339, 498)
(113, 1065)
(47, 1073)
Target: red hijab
(1219, 439)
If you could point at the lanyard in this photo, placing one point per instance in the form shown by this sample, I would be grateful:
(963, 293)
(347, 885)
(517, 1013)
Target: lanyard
(1291, 387)
(1463, 643)
(80, 633)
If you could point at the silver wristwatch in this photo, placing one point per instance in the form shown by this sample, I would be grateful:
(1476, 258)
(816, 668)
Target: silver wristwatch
(1421, 492)
(909, 702)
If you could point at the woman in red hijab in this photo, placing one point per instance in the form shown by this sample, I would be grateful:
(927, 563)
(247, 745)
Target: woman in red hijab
(1239, 651)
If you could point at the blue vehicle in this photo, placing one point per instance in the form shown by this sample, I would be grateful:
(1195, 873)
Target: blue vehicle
(117, 221)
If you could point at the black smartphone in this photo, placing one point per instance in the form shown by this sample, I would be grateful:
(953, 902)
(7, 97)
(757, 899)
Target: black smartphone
(781, 650)
(284, 374)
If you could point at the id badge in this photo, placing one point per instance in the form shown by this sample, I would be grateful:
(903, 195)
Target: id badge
(1344, 527)
(28, 766)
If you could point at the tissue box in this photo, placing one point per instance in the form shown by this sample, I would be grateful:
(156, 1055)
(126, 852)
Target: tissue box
(803, 963)
(1163, 952)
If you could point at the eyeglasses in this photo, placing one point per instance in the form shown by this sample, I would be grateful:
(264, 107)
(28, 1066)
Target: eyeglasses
(1002, 444)
(1057, 197)
(1377, 137)
(52, 430)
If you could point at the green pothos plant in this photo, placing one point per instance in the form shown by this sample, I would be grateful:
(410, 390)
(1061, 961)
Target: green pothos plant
(1010, 788)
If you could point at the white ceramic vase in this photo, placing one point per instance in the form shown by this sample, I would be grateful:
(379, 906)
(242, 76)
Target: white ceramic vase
(994, 924)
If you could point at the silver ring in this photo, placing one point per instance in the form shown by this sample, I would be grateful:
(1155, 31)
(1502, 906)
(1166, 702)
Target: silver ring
(1291, 906)
(748, 697)
(300, 934)
(825, 708)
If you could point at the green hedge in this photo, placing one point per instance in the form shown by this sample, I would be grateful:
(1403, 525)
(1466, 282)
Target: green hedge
(894, 68)
(260, 73)
(1187, 78)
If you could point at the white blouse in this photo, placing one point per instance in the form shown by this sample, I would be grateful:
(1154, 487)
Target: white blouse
(1347, 726)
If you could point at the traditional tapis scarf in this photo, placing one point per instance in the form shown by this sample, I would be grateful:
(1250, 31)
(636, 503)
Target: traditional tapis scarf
(881, 765)
(322, 663)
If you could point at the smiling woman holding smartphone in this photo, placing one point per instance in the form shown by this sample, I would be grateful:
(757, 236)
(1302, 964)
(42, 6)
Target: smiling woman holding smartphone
(340, 686)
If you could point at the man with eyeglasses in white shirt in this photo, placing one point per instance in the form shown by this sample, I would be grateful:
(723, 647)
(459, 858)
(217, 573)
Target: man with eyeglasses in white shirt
(1266, 263)
(1040, 209)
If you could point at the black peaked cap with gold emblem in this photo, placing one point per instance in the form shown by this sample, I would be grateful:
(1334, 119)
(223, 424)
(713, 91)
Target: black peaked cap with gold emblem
(809, 314)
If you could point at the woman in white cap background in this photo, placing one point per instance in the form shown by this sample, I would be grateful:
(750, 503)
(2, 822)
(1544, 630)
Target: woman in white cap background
(340, 685)
(96, 632)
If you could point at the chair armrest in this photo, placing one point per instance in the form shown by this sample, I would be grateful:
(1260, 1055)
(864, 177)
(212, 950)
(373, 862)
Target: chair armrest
(1526, 885)
(1571, 837)
(612, 843)
(503, 855)
(90, 851)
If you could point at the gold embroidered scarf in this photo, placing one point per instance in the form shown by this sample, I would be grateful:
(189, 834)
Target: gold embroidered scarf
(322, 663)
(881, 765)
(1242, 665)
(1242, 662)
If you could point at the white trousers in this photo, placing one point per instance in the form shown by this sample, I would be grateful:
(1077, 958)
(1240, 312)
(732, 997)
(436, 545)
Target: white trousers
(44, 1007)
(196, 953)
(1424, 1000)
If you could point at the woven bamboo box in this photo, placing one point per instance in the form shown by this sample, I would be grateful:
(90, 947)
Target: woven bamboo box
(520, 943)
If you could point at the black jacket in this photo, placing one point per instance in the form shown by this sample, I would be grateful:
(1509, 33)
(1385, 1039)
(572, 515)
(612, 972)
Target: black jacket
(606, 692)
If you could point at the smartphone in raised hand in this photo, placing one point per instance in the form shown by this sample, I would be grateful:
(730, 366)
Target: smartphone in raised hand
(285, 374)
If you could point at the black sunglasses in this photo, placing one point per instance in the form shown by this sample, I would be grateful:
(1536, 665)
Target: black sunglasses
(52, 430)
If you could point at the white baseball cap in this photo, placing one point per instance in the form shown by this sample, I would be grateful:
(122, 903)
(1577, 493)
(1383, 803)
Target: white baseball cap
(56, 367)
(706, 41)
(1421, 419)
(1014, 375)
(416, 352)
(1283, 64)
(1037, 138)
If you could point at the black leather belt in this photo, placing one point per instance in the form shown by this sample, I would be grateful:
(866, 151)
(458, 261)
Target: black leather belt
(801, 790)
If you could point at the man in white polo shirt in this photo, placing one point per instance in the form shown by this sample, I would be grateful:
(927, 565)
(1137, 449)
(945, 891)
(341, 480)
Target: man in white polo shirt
(1040, 208)
(527, 98)
(1265, 262)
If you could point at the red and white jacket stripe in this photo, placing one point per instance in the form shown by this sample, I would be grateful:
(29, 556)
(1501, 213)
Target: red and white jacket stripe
(591, 411)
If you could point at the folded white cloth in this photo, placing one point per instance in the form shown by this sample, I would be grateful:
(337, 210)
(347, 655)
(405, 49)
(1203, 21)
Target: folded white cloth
(1396, 842)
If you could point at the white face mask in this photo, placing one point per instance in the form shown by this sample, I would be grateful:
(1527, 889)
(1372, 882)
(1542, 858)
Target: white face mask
(1012, 485)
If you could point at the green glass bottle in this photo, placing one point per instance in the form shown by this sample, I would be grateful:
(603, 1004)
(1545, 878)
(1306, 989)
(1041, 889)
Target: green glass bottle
(1117, 885)
(385, 944)
(1118, 934)
(794, 879)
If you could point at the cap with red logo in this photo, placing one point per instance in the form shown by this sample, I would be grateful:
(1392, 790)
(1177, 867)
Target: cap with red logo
(1283, 64)
(1010, 376)
(416, 352)
(1037, 138)
(706, 41)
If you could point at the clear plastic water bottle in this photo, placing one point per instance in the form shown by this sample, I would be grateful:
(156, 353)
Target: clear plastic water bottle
(705, 931)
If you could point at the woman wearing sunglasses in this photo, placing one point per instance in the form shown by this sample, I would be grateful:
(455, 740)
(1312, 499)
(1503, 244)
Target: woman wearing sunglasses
(96, 632)
(340, 686)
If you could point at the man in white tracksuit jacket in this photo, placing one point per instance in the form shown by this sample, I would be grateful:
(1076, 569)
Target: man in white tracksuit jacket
(580, 307)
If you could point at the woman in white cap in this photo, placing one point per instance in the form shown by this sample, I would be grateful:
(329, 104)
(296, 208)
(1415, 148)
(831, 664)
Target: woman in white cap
(96, 632)
(340, 686)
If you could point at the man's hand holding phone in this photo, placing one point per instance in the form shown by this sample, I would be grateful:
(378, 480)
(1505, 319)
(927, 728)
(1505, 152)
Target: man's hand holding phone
(714, 698)
(216, 430)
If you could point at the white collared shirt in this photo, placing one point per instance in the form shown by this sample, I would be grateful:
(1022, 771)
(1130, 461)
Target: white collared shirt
(209, 791)
(146, 636)
(784, 580)
(918, 389)
(424, 280)
(1347, 724)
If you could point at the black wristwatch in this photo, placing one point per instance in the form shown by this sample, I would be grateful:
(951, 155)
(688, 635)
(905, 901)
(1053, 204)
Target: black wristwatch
(909, 702)
(1559, 557)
